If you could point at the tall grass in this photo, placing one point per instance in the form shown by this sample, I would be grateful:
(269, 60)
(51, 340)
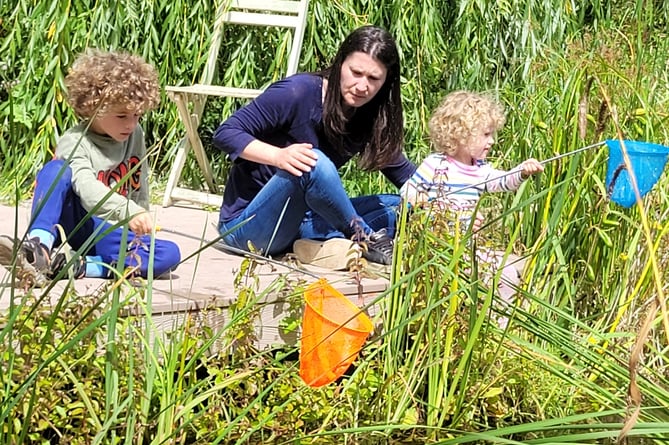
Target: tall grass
(442, 371)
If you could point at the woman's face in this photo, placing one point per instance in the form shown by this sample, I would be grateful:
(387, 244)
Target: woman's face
(361, 78)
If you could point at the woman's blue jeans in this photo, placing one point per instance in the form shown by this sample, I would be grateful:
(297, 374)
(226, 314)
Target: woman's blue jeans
(314, 206)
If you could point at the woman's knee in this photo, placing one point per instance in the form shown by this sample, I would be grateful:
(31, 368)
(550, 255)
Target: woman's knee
(324, 171)
(324, 168)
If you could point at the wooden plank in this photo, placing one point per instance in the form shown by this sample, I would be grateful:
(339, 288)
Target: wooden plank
(194, 196)
(213, 90)
(287, 6)
(267, 321)
(258, 19)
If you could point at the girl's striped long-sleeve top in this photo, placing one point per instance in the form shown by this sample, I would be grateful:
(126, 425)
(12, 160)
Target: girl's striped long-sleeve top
(442, 181)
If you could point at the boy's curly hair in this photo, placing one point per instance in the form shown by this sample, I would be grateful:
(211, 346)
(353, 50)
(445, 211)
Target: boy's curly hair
(98, 81)
(461, 116)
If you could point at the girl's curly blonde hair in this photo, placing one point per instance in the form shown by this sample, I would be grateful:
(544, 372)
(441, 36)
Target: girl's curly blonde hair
(99, 81)
(461, 116)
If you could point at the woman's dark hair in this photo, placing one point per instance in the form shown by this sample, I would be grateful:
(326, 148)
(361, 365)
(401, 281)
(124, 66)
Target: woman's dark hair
(377, 126)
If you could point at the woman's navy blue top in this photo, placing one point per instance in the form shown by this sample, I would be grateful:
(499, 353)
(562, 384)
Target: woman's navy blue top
(287, 112)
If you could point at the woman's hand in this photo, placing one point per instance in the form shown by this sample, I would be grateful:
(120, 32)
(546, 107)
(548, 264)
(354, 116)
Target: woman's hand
(141, 223)
(296, 159)
(530, 167)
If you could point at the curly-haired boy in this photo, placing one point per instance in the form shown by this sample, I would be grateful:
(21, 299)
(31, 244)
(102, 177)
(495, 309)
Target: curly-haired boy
(99, 176)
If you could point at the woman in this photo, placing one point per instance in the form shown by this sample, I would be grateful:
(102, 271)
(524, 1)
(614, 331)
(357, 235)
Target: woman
(289, 142)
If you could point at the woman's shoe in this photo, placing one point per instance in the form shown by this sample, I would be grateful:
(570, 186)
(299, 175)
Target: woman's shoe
(379, 248)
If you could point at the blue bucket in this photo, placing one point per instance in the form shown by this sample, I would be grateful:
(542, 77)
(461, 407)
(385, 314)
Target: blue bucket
(647, 161)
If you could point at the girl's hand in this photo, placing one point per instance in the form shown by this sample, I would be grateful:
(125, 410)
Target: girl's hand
(478, 222)
(530, 167)
(141, 223)
(296, 159)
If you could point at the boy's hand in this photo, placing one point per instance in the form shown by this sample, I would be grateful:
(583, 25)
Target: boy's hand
(141, 224)
(530, 167)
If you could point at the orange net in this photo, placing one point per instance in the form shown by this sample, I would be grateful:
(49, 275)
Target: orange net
(333, 332)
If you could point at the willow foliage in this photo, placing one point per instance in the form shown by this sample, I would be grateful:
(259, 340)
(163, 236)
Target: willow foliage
(444, 45)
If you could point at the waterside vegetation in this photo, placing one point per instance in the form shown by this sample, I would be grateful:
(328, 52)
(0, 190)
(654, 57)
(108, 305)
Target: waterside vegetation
(583, 359)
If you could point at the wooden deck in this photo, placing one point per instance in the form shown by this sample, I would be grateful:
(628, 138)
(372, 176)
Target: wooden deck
(203, 287)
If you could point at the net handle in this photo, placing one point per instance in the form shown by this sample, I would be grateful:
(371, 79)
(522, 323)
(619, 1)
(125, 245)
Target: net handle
(578, 150)
(545, 161)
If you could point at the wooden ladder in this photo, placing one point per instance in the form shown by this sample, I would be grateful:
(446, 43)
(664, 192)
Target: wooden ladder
(190, 100)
